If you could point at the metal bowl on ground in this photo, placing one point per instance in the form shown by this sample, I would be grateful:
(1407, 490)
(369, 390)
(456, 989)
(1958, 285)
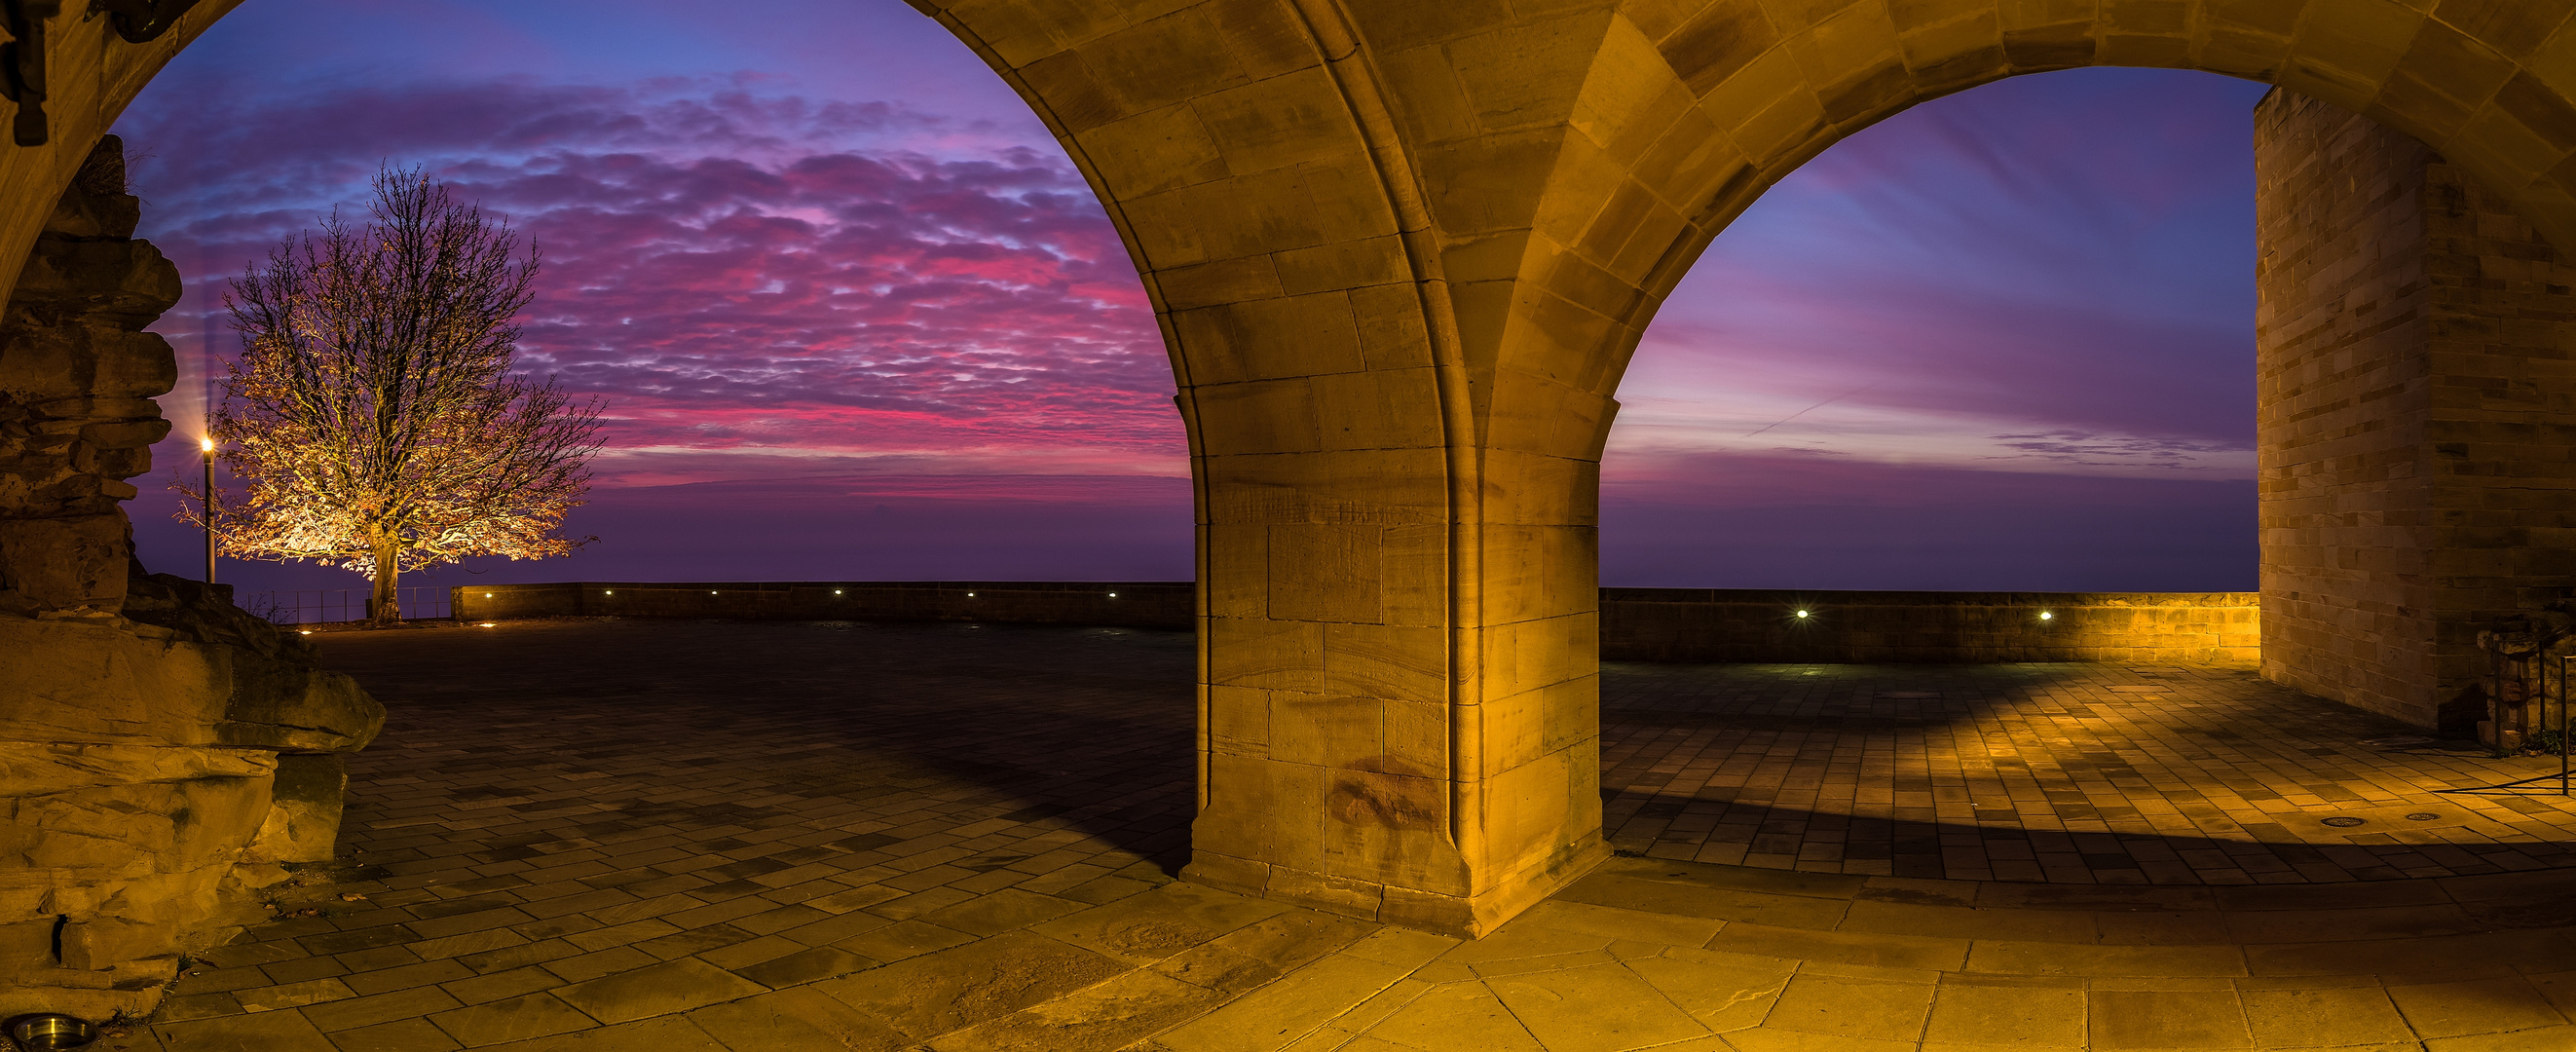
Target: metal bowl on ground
(46, 1031)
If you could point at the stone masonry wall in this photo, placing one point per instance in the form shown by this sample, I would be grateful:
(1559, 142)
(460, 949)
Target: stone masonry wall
(163, 755)
(1637, 624)
(1713, 625)
(2414, 401)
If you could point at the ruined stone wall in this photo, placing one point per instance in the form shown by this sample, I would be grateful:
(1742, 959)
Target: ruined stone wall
(163, 755)
(2413, 414)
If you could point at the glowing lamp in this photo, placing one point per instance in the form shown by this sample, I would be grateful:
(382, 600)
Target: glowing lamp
(487, 624)
(836, 591)
(487, 595)
(206, 445)
(970, 595)
(2045, 615)
(308, 631)
(1802, 613)
(611, 591)
(1113, 595)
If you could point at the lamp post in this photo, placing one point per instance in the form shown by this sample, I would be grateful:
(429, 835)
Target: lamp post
(207, 446)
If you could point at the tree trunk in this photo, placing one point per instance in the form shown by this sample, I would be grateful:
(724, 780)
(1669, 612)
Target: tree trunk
(384, 606)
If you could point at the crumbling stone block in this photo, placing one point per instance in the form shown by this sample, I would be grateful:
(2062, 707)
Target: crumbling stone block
(64, 564)
(141, 717)
(303, 823)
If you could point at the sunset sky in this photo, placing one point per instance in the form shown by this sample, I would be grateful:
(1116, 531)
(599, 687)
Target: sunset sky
(855, 316)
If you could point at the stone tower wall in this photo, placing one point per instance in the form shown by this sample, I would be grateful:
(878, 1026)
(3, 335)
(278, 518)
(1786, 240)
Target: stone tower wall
(2414, 414)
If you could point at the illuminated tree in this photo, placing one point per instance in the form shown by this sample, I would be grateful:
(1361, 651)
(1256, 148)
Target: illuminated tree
(372, 411)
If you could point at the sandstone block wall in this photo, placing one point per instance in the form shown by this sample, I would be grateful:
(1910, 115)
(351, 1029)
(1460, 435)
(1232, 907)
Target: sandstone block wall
(1139, 604)
(162, 754)
(2414, 414)
(1689, 624)
(1637, 624)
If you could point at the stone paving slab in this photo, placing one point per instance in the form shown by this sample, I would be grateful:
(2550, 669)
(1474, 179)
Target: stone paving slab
(737, 836)
(2060, 773)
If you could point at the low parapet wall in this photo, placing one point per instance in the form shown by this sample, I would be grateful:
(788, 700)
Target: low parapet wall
(1637, 624)
(1128, 604)
(1713, 624)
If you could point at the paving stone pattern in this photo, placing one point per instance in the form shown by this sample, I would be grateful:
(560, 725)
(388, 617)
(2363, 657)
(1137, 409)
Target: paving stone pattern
(2075, 773)
(727, 837)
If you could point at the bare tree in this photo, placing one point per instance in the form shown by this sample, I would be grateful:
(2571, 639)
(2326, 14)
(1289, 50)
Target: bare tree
(372, 411)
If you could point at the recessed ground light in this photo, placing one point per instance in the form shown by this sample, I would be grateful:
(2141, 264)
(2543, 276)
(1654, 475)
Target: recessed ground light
(487, 624)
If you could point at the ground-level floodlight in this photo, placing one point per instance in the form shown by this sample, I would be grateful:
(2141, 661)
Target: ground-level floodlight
(51, 1030)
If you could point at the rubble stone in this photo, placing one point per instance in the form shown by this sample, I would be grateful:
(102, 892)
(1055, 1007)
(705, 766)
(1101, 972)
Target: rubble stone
(162, 753)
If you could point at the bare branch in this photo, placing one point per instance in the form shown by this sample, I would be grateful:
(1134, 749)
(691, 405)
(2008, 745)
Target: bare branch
(373, 409)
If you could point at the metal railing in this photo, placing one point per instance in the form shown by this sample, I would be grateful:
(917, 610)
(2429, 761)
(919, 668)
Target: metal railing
(335, 605)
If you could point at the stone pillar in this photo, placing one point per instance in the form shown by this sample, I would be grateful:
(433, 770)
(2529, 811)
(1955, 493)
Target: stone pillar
(2416, 412)
(1400, 706)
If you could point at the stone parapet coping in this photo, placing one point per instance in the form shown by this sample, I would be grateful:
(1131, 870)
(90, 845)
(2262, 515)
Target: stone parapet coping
(1637, 624)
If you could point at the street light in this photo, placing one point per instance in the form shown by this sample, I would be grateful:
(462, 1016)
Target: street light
(207, 446)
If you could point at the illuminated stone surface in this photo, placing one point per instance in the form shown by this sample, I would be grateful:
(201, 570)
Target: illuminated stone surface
(784, 837)
(153, 739)
(2061, 772)
(2416, 415)
(1402, 251)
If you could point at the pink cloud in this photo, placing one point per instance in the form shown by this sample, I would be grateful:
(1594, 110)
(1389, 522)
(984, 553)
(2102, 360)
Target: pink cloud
(721, 266)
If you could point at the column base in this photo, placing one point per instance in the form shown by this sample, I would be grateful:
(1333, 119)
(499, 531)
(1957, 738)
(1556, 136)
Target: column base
(1470, 916)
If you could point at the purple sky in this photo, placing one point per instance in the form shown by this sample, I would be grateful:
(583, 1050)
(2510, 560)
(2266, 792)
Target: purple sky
(856, 317)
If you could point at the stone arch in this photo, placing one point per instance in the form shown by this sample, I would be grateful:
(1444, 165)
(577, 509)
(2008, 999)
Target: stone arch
(1664, 121)
(1400, 252)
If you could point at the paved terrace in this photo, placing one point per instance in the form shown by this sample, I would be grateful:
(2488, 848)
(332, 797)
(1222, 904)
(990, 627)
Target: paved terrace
(729, 837)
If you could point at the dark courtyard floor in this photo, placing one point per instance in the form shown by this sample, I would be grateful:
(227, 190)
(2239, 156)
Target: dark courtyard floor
(2064, 773)
(734, 835)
